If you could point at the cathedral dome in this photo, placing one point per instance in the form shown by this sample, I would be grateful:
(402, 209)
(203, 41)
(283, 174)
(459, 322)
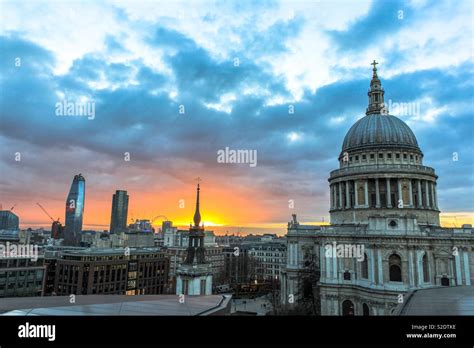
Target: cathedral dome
(379, 130)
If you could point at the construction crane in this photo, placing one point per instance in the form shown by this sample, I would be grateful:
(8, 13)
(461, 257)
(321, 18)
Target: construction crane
(39, 205)
(56, 227)
(14, 205)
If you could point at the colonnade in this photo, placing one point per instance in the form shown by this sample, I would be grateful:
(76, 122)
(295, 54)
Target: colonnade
(384, 193)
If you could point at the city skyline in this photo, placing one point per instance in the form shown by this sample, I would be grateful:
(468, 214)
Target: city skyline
(249, 228)
(297, 162)
(164, 92)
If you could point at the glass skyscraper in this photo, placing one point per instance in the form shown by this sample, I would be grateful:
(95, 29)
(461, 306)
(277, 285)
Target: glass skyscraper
(8, 220)
(118, 220)
(75, 211)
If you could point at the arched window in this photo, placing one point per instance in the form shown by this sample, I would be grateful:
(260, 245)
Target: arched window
(365, 309)
(395, 268)
(365, 267)
(426, 274)
(347, 308)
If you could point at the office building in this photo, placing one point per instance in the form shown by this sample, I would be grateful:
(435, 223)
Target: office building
(118, 219)
(22, 276)
(9, 220)
(75, 211)
(142, 271)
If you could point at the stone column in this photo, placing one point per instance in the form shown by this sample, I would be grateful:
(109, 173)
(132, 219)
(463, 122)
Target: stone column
(371, 262)
(432, 196)
(333, 191)
(322, 261)
(400, 196)
(467, 273)
(179, 286)
(330, 196)
(297, 256)
(290, 254)
(341, 206)
(420, 198)
(377, 194)
(435, 196)
(348, 197)
(356, 194)
(389, 198)
(366, 192)
(379, 267)
(427, 194)
(410, 190)
(457, 262)
(328, 261)
(411, 269)
(419, 267)
(432, 268)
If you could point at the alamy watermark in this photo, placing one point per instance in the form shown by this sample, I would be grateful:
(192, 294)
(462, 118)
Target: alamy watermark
(342, 250)
(37, 331)
(401, 108)
(9, 250)
(237, 156)
(76, 108)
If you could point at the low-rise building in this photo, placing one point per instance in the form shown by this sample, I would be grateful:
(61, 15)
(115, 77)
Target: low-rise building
(123, 271)
(270, 257)
(22, 276)
(119, 239)
(239, 268)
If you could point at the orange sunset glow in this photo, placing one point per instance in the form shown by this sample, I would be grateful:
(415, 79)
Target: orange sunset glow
(223, 209)
(219, 208)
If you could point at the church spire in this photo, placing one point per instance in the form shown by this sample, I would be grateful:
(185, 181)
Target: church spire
(376, 93)
(197, 214)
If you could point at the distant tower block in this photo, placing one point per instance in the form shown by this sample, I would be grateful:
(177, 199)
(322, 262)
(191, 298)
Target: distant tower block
(75, 211)
(118, 219)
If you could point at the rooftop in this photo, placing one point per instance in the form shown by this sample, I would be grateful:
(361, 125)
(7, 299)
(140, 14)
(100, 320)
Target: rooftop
(111, 251)
(453, 300)
(116, 305)
(377, 130)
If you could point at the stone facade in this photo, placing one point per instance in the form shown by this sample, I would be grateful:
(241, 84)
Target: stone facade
(384, 220)
(194, 275)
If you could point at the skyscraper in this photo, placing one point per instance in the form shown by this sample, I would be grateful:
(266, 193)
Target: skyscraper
(8, 220)
(118, 220)
(75, 211)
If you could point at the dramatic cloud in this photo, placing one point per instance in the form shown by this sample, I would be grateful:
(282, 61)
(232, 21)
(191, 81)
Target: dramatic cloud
(173, 83)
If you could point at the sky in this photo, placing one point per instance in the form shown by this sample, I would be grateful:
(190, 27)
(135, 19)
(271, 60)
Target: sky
(172, 83)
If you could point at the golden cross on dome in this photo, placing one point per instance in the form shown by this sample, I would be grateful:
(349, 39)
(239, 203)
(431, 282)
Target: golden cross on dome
(374, 63)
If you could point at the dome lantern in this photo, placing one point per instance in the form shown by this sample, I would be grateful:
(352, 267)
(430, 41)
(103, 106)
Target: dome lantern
(376, 93)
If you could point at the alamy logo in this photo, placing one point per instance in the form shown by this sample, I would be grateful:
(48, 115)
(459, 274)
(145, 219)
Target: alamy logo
(345, 251)
(37, 331)
(19, 250)
(68, 108)
(401, 109)
(237, 156)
